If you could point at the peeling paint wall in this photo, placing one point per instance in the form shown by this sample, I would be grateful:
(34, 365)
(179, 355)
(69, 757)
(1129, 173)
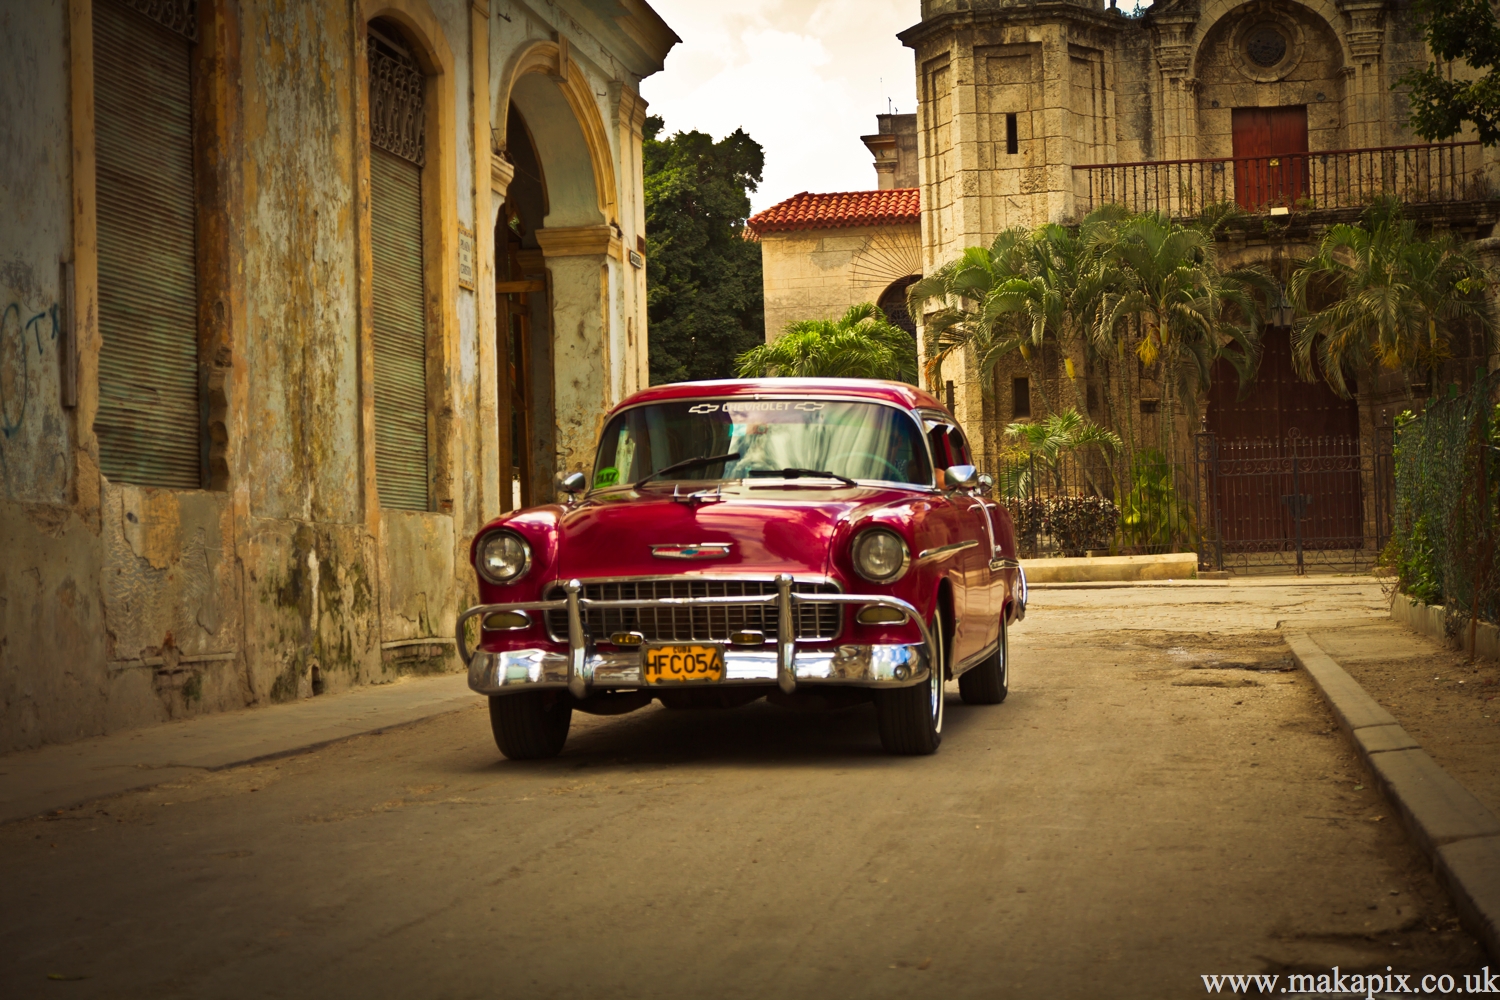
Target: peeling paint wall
(123, 605)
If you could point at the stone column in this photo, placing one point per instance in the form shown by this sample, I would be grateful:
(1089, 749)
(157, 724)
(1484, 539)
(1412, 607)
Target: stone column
(1366, 75)
(583, 262)
(1179, 114)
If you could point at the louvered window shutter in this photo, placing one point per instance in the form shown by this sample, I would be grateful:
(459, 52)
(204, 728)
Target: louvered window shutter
(400, 315)
(149, 424)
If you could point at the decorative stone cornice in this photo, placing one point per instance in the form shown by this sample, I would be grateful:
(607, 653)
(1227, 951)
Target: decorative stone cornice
(502, 171)
(940, 23)
(579, 241)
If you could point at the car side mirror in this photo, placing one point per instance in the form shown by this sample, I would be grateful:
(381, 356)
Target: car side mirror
(961, 477)
(573, 484)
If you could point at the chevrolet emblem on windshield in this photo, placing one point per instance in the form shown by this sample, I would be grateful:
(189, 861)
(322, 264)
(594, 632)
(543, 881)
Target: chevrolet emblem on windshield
(700, 550)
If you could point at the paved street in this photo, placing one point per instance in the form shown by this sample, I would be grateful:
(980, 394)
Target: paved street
(1162, 796)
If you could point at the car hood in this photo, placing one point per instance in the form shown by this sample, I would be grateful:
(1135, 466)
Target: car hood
(768, 530)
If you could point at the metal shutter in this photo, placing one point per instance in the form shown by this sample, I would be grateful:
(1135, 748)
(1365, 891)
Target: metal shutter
(149, 422)
(400, 331)
(400, 314)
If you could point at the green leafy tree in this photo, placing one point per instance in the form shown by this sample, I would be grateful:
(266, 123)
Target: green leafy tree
(862, 343)
(1457, 29)
(1398, 296)
(704, 295)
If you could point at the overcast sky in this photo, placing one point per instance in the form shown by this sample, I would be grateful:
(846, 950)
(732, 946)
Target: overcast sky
(802, 77)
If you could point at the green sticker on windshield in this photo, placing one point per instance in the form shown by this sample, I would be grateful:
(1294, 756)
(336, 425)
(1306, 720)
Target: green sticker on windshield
(607, 476)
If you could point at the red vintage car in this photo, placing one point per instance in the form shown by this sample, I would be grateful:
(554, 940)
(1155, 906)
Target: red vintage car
(823, 541)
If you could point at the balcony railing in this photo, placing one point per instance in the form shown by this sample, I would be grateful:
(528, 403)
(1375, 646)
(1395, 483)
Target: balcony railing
(1323, 179)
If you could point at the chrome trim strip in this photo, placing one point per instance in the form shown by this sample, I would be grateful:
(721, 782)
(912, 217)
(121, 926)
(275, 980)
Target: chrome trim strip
(970, 662)
(946, 550)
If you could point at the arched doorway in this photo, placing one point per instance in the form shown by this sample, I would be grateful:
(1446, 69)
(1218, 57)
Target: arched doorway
(523, 328)
(566, 294)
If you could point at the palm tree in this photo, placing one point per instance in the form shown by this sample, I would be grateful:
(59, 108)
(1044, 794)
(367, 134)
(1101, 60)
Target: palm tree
(862, 343)
(1398, 296)
(1191, 311)
(1050, 440)
(974, 318)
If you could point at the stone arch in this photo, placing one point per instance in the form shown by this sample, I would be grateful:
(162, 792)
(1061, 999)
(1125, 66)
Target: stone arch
(551, 92)
(1311, 75)
(1216, 11)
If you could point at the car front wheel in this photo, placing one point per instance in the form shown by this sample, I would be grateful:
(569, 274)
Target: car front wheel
(911, 718)
(530, 725)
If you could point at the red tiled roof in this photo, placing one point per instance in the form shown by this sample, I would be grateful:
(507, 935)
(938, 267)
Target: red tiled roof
(839, 210)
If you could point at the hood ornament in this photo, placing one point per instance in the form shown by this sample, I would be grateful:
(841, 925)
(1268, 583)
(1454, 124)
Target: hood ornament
(692, 550)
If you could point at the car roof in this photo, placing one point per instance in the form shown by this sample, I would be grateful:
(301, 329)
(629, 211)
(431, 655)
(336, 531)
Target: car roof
(900, 393)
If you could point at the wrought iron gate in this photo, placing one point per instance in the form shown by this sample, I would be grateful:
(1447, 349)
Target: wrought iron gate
(1289, 501)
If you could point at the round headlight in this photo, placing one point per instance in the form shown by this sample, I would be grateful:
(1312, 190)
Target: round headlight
(504, 557)
(880, 556)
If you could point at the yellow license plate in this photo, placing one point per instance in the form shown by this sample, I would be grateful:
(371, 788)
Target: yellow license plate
(674, 664)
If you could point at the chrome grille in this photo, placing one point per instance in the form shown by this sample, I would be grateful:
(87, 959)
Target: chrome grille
(690, 624)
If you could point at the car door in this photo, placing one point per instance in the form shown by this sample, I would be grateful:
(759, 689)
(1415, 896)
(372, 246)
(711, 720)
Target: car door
(978, 624)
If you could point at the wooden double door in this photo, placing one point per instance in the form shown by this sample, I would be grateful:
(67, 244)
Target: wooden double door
(1270, 156)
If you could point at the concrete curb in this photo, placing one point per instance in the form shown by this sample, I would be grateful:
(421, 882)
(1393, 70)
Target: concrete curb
(1431, 620)
(1098, 569)
(60, 776)
(1457, 832)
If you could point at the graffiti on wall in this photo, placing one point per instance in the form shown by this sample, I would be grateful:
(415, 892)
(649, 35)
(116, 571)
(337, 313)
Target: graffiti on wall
(32, 329)
(17, 333)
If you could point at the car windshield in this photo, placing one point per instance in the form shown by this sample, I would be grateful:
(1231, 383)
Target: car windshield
(788, 438)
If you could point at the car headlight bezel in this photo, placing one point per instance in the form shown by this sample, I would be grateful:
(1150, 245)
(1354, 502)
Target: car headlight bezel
(482, 561)
(860, 550)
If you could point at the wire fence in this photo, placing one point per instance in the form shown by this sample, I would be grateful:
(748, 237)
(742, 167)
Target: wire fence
(1447, 504)
(1076, 504)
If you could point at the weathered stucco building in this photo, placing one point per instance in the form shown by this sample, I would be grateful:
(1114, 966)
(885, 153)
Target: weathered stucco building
(1036, 111)
(296, 296)
(822, 253)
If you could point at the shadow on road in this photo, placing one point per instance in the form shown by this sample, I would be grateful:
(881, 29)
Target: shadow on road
(759, 734)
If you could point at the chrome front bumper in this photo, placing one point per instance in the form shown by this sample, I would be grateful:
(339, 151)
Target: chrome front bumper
(584, 668)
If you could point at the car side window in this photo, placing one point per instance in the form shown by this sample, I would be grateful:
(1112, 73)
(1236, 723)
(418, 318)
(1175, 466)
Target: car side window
(958, 448)
(938, 438)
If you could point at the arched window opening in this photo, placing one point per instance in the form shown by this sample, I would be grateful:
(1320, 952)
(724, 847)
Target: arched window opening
(398, 133)
(893, 303)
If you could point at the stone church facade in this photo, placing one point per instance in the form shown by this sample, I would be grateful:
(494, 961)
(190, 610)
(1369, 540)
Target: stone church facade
(1036, 112)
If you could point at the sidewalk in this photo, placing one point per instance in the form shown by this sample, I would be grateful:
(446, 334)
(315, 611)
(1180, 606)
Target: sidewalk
(56, 777)
(1411, 741)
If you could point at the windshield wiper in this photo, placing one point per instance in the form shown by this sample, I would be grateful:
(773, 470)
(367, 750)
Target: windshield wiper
(689, 463)
(799, 473)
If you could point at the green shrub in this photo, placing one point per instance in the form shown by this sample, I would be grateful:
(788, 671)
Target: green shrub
(1155, 516)
(1078, 524)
